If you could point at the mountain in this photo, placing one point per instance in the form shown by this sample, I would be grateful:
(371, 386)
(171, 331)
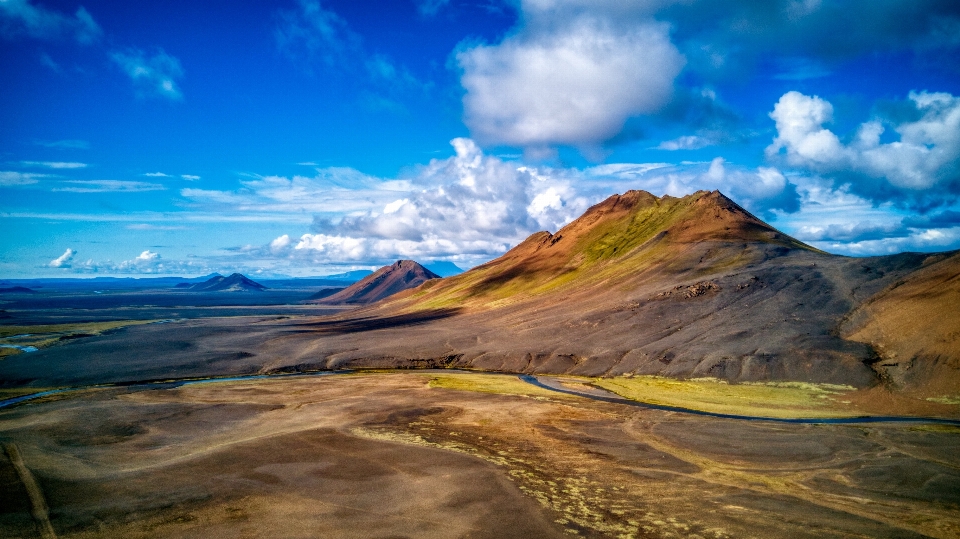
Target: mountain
(386, 281)
(681, 287)
(233, 283)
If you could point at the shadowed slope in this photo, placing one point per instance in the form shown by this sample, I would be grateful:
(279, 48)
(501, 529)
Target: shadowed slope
(384, 282)
(915, 327)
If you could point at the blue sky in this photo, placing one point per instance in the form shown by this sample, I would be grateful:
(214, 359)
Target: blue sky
(303, 137)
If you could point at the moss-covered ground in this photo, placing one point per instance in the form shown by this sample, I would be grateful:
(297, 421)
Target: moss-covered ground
(770, 399)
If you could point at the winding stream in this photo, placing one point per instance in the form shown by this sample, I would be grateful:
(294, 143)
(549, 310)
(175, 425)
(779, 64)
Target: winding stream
(528, 378)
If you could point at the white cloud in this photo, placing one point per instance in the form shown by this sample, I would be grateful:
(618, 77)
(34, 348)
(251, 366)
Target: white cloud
(22, 17)
(472, 205)
(106, 186)
(54, 164)
(760, 190)
(926, 156)
(156, 175)
(190, 177)
(334, 189)
(63, 261)
(153, 76)
(567, 77)
(10, 178)
(689, 142)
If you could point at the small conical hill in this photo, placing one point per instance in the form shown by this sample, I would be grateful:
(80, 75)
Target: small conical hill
(385, 282)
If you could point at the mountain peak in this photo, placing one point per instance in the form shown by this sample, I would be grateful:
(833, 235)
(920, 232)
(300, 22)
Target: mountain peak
(619, 239)
(386, 281)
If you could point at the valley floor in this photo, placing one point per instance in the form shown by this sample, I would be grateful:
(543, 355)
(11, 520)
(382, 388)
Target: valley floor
(432, 454)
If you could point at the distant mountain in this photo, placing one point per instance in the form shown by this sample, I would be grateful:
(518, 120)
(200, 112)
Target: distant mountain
(681, 287)
(444, 268)
(233, 283)
(17, 290)
(385, 282)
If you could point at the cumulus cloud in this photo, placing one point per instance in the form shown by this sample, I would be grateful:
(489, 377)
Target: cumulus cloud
(567, 77)
(23, 17)
(152, 76)
(572, 71)
(63, 261)
(924, 164)
(107, 186)
(190, 177)
(146, 263)
(471, 206)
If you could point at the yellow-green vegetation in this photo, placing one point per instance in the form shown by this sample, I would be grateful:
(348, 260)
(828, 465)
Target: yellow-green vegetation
(768, 399)
(950, 429)
(503, 384)
(42, 336)
(946, 399)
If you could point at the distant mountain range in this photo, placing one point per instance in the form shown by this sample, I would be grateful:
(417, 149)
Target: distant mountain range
(385, 282)
(683, 287)
(233, 283)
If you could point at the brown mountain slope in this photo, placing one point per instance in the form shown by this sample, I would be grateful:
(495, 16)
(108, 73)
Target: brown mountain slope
(612, 241)
(384, 282)
(683, 287)
(914, 325)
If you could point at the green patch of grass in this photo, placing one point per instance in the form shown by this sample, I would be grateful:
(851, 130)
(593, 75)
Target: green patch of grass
(773, 399)
(949, 429)
(502, 384)
(946, 399)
